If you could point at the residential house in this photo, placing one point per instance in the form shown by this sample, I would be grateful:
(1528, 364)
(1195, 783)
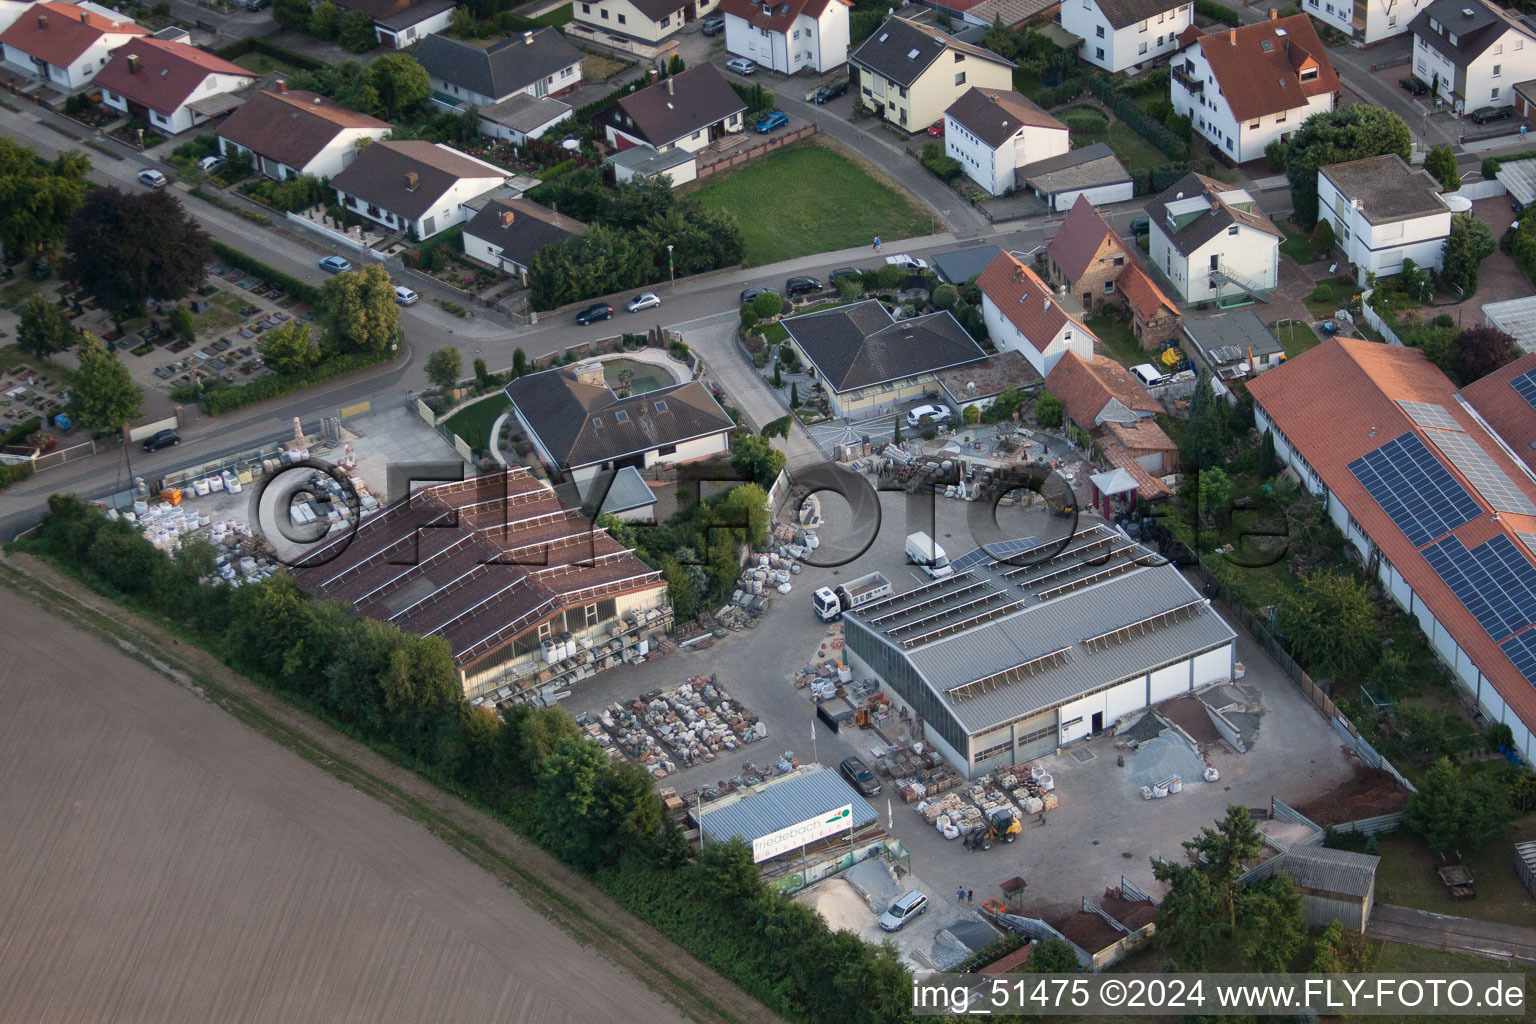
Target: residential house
(1086, 257)
(402, 23)
(1212, 242)
(644, 21)
(979, 384)
(688, 110)
(533, 64)
(788, 35)
(1155, 318)
(522, 117)
(910, 73)
(1234, 345)
(1383, 212)
(639, 162)
(1093, 171)
(421, 188)
(1252, 85)
(871, 364)
(1431, 500)
(1023, 316)
(64, 45)
(1367, 21)
(172, 86)
(994, 132)
(508, 233)
(1103, 399)
(581, 428)
(1472, 53)
(287, 133)
(1125, 34)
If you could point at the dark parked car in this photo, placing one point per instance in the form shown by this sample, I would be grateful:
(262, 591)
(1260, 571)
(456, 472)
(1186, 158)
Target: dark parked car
(748, 294)
(713, 26)
(830, 91)
(1487, 115)
(844, 272)
(1413, 85)
(771, 121)
(801, 286)
(162, 439)
(859, 776)
(1141, 225)
(601, 311)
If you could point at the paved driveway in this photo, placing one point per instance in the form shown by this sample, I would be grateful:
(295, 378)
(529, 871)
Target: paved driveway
(1507, 942)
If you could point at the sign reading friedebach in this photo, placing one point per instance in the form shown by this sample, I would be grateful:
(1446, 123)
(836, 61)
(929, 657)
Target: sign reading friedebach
(796, 836)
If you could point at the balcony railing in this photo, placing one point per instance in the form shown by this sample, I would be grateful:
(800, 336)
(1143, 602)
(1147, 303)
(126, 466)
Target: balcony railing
(1187, 81)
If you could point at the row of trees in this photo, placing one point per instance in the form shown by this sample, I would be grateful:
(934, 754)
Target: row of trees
(630, 226)
(351, 29)
(38, 198)
(392, 86)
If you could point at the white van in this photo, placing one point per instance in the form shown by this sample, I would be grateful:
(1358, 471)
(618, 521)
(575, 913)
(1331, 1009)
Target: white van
(923, 550)
(1147, 374)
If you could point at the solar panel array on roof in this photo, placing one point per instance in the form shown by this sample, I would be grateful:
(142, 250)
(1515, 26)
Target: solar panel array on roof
(1495, 581)
(1521, 650)
(1414, 489)
(995, 552)
(1427, 414)
(1482, 472)
(1525, 386)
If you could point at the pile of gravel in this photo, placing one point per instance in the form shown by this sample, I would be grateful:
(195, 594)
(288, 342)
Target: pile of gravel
(1143, 729)
(1163, 756)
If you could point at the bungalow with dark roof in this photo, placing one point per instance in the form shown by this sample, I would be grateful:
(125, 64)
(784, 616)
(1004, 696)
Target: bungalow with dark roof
(994, 132)
(164, 82)
(788, 35)
(421, 188)
(287, 133)
(580, 427)
(401, 23)
(64, 45)
(869, 363)
(536, 64)
(508, 233)
(645, 21)
(688, 110)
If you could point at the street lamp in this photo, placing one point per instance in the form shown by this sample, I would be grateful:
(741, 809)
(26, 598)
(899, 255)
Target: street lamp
(671, 274)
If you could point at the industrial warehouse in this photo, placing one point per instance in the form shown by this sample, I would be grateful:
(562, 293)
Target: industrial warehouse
(1026, 649)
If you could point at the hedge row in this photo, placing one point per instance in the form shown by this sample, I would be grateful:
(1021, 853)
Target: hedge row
(251, 265)
(12, 474)
(220, 400)
(1069, 90)
(225, 204)
(1141, 122)
(257, 45)
(1491, 164)
(1217, 11)
(18, 433)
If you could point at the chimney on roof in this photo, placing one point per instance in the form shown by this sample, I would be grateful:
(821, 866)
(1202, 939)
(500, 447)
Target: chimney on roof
(412, 179)
(85, 18)
(42, 20)
(1232, 37)
(1274, 15)
(507, 217)
(133, 63)
(317, 101)
(670, 90)
(282, 86)
(528, 38)
(1045, 303)
(590, 372)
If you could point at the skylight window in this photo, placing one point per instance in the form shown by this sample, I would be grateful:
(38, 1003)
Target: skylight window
(621, 416)
(660, 406)
(912, 54)
(1266, 46)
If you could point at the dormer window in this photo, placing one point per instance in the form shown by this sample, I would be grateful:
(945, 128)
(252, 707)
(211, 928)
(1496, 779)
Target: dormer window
(1309, 74)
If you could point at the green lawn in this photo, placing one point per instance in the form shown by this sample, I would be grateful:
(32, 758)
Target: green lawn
(1406, 876)
(1118, 340)
(263, 64)
(807, 199)
(1092, 127)
(17, 290)
(1296, 336)
(222, 314)
(473, 422)
(1395, 958)
(555, 18)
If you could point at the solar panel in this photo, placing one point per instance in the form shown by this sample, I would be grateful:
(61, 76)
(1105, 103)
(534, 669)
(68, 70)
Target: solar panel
(1495, 581)
(1522, 651)
(1483, 473)
(1525, 386)
(1529, 539)
(1414, 489)
(1426, 414)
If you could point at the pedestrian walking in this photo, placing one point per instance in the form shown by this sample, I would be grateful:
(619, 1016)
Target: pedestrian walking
(970, 895)
(1041, 819)
(960, 895)
(877, 243)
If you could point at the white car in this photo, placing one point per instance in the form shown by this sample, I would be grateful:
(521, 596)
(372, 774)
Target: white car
(907, 262)
(151, 177)
(209, 164)
(937, 413)
(405, 296)
(645, 300)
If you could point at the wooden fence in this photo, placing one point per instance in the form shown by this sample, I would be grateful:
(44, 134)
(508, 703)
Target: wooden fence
(753, 152)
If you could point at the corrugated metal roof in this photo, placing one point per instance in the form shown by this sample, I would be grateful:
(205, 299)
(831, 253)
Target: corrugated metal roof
(785, 802)
(1339, 871)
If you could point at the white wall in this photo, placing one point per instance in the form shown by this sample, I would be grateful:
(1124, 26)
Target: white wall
(1104, 195)
(1213, 667)
(182, 118)
(1213, 118)
(994, 169)
(1004, 335)
(1116, 50)
(809, 44)
(1513, 57)
(491, 129)
(448, 211)
(1124, 699)
(1170, 682)
(1381, 248)
(1383, 18)
(1252, 253)
(413, 34)
(82, 69)
(625, 19)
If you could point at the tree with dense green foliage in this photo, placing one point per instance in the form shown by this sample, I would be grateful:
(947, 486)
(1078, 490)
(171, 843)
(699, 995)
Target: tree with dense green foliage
(1481, 350)
(37, 197)
(1341, 950)
(355, 32)
(294, 14)
(1050, 411)
(1269, 459)
(1215, 489)
(945, 296)
(1208, 425)
(794, 394)
(325, 20)
(104, 395)
(1224, 853)
(896, 430)
(1469, 243)
(777, 428)
(361, 311)
(595, 809)
(767, 304)
(1053, 956)
(125, 248)
(1441, 163)
(756, 459)
(1348, 133)
(444, 368)
(1329, 624)
(400, 81)
(183, 323)
(45, 330)
(519, 362)
(1322, 238)
(1457, 810)
(288, 348)
(1271, 924)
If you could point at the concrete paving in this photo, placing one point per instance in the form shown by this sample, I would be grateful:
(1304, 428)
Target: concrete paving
(1507, 942)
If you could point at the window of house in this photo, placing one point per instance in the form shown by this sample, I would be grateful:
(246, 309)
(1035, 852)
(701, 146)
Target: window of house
(1099, 50)
(1498, 48)
(1099, 31)
(796, 34)
(1232, 230)
(902, 92)
(1143, 27)
(1494, 94)
(1215, 261)
(1279, 119)
(1253, 126)
(1109, 287)
(586, 8)
(1498, 69)
(1309, 74)
(603, 14)
(1119, 261)
(1160, 40)
(1066, 336)
(1519, 44)
(666, 21)
(697, 134)
(623, 19)
(1141, 49)
(959, 57)
(960, 78)
(1229, 143)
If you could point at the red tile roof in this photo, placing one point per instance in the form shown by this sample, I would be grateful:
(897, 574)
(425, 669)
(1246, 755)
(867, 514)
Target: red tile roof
(60, 33)
(1148, 487)
(779, 15)
(1142, 293)
(1080, 238)
(165, 73)
(292, 126)
(1339, 401)
(1143, 435)
(1085, 387)
(1025, 300)
(1510, 416)
(1258, 81)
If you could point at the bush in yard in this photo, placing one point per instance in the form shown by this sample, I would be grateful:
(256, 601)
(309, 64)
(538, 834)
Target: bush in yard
(945, 168)
(1441, 163)
(1161, 109)
(181, 323)
(767, 304)
(972, 415)
(444, 366)
(1322, 293)
(1274, 155)
(1050, 411)
(749, 317)
(1480, 351)
(888, 277)
(354, 32)
(1322, 238)
(945, 296)
(794, 396)
(850, 288)
(1217, 11)
(1469, 243)
(1182, 126)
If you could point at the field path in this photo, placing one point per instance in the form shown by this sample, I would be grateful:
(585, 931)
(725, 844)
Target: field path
(163, 859)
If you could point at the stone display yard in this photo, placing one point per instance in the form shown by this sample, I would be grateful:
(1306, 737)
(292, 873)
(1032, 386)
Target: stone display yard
(665, 730)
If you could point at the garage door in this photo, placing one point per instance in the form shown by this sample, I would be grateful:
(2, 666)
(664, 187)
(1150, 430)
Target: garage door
(1125, 698)
(1213, 667)
(1166, 682)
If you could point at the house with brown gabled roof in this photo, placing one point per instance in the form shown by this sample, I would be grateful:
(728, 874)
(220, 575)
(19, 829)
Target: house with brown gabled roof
(994, 132)
(168, 84)
(1103, 398)
(289, 132)
(788, 35)
(688, 110)
(64, 45)
(1086, 256)
(1252, 85)
(420, 188)
(1022, 315)
(1154, 317)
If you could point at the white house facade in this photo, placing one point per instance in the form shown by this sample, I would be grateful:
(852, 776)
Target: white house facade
(1472, 53)
(64, 45)
(1384, 212)
(1367, 21)
(1023, 316)
(1125, 34)
(993, 132)
(1211, 242)
(644, 21)
(416, 187)
(163, 82)
(801, 35)
(289, 133)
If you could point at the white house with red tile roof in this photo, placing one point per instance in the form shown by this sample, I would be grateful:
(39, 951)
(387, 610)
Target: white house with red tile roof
(1432, 499)
(1248, 86)
(1023, 316)
(788, 35)
(159, 81)
(289, 132)
(64, 45)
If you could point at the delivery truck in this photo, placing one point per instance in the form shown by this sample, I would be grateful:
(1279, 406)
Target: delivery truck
(830, 603)
(923, 550)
